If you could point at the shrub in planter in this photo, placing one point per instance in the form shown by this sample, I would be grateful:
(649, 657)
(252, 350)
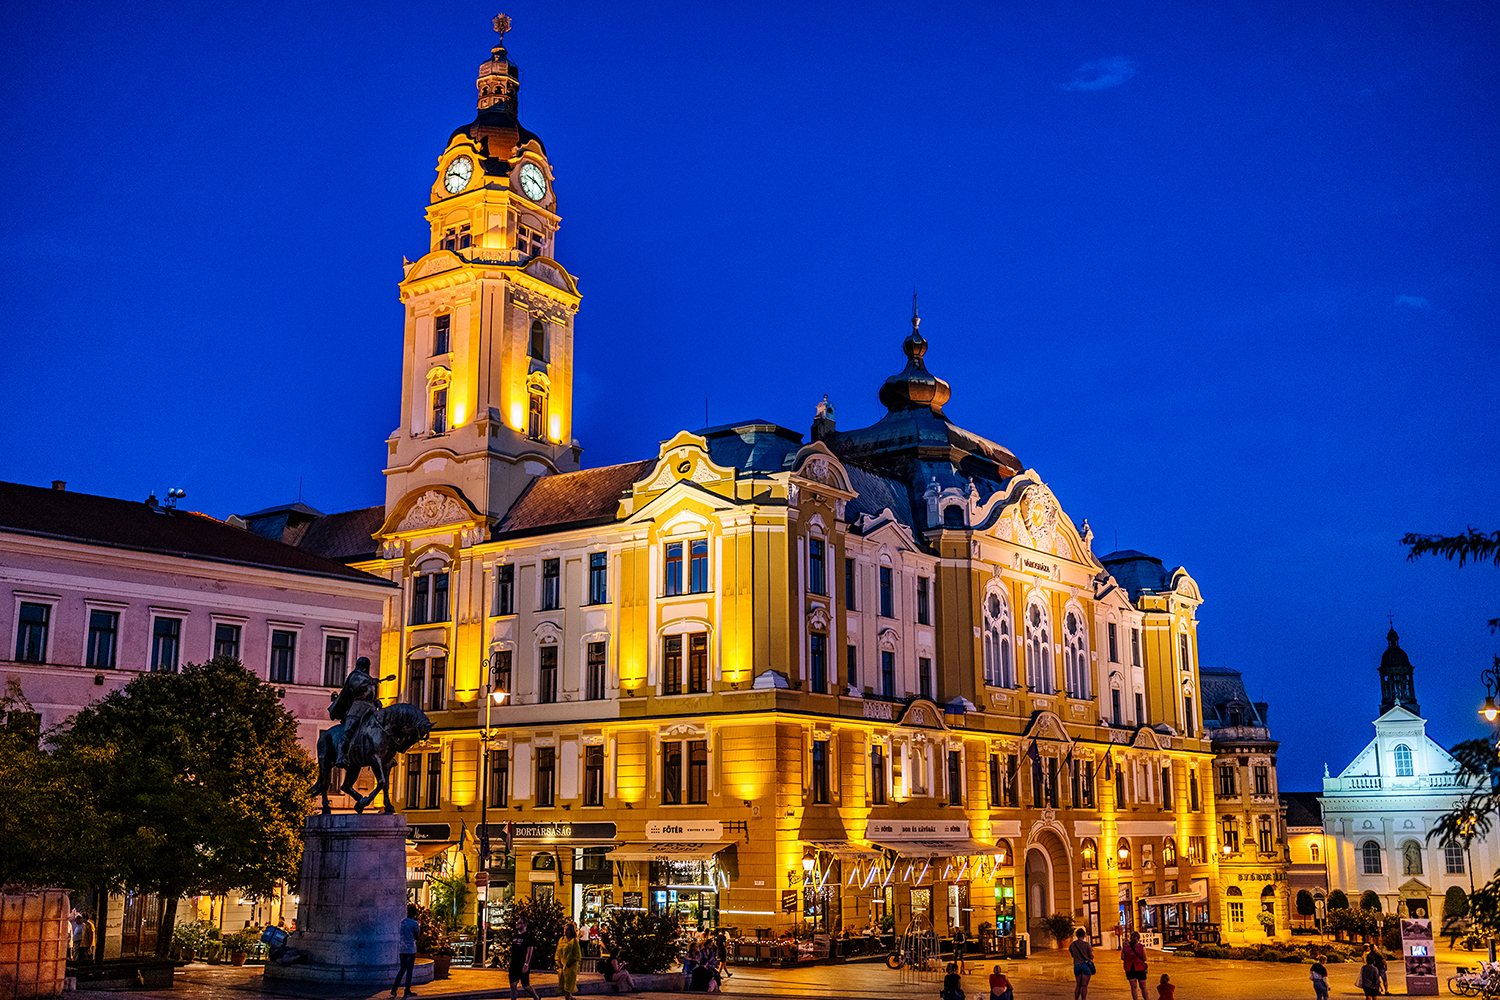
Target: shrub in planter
(646, 941)
(1060, 926)
(1337, 900)
(431, 936)
(190, 938)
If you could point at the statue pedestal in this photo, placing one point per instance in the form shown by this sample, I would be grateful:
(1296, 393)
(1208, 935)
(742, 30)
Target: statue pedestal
(352, 901)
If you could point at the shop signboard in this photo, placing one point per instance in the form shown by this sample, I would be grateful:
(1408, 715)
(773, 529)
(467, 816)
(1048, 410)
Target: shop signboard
(633, 900)
(700, 830)
(563, 831)
(789, 901)
(1420, 956)
(900, 829)
(429, 831)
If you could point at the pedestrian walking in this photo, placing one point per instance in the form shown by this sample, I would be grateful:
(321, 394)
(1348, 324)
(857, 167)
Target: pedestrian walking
(521, 947)
(569, 958)
(1369, 977)
(1133, 956)
(953, 988)
(1000, 988)
(1319, 976)
(1083, 964)
(1379, 960)
(1164, 989)
(959, 941)
(407, 949)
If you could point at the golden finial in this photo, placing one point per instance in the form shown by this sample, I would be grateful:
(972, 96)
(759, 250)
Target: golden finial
(502, 25)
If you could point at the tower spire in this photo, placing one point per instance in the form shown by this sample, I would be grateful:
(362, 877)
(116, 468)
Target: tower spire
(499, 79)
(1397, 683)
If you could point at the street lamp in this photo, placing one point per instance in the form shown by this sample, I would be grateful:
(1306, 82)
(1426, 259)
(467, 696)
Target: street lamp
(1491, 679)
(491, 699)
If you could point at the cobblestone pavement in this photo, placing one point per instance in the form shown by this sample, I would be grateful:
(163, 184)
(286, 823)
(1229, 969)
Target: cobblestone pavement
(1045, 976)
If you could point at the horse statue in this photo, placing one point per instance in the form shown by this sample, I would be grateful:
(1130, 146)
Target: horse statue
(380, 736)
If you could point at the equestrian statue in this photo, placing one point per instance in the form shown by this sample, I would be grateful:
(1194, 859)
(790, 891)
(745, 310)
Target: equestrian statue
(367, 736)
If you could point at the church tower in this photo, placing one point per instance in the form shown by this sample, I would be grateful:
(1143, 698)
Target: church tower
(1397, 686)
(487, 371)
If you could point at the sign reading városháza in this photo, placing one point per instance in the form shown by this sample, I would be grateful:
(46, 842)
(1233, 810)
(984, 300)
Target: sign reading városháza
(684, 829)
(898, 829)
(564, 831)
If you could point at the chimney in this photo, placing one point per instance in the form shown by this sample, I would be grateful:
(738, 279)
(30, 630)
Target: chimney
(1262, 709)
(59, 484)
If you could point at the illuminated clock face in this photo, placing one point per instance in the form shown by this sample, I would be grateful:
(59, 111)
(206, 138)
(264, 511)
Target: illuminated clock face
(456, 177)
(533, 181)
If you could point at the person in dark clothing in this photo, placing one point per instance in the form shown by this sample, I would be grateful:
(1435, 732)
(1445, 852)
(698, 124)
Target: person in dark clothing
(953, 988)
(407, 949)
(521, 947)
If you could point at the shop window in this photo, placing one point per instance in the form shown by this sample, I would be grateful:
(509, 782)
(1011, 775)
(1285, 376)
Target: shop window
(546, 776)
(593, 775)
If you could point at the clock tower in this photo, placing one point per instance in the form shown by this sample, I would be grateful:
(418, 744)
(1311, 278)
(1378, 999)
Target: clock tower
(487, 371)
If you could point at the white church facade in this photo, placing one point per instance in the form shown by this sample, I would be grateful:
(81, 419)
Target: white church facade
(1378, 811)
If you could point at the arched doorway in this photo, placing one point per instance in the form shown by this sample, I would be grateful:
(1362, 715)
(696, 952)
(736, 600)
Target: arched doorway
(1038, 894)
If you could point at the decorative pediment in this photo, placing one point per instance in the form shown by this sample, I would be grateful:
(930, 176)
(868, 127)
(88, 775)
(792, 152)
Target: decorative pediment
(1047, 726)
(684, 729)
(684, 458)
(816, 470)
(889, 640)
(548, 270)
(1146, 739)
(436, 263)
(922, 714)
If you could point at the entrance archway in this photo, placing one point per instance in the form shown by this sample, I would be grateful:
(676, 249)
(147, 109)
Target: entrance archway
(1038, 893)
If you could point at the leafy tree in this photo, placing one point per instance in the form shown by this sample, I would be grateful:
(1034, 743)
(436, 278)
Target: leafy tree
(1369, 900)
(544, 922)
(1337, 900)
(1475, 545)
(1305, 905)
(647, 942)
(449, 892)
(200, 781)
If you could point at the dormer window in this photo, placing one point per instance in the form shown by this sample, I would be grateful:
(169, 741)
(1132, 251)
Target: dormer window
(456, 237)
(530, 242)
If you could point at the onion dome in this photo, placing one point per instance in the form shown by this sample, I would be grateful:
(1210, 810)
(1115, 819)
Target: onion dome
(499, 86)
(915, 387)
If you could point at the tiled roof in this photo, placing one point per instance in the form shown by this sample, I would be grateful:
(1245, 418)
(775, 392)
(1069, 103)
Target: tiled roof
(572, 499)
(347, 536)
(876, 493)
(1302, 809)
(134, 525)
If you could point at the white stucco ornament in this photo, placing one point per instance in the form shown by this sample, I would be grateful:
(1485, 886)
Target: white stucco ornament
(433, 508)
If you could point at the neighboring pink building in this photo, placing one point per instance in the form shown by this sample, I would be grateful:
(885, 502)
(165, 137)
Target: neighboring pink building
(94, 590)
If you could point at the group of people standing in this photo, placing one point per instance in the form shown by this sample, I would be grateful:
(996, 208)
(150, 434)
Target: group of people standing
(1132, 957)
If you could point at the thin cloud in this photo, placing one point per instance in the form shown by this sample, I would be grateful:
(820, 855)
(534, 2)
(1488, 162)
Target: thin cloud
(1101, 74)
(1413, 302)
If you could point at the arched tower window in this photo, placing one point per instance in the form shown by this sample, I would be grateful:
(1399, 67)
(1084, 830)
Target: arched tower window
(1075, 657)
(536, 416)
(1403, 761)
(1039, 676)
(440, 410)
(1370, 854)
(537, 345)
(1314, 849)
(999, 661)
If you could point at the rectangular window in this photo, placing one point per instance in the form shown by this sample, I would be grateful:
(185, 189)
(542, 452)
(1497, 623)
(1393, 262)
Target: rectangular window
(1231, 834)
(671, 665)
(598, 577)
(227, 641)
(1187, 716)
(1052, 782)
(547, 694)
(439, 597)
(437, 684)
(441, 328)
(1038, 783)
(1088, 785)
(924, 677)
(1226, 780)
(1140, 710)
(671, 774)
(698, 663)
(593, 775)
(499, 778)
(104, 633)
(413, 781)
(31, 633)
(1012, 789)
(1075, 783)
(283, 656)
(440, 411)
(1114, 644)
(335, 660)
(671, 575)
(1120, 788)
(1135, 646)
(1193, 790)
(1114, 701)
(1166, 787)
(849, 587)
(887, 599)
(551, 584)
(851, 667)
(536, 416)
(416, 683)
(505, 590)
(593, 681)
(1262, 780)
(816, 578)
(434, 780)
(820, 772)
(166, 639)
(500, 670)
(698, 570)
(887, 673)
(697, 776)
(1263, 835)
(1182, 651)
(546, 776)
(818, 663)
(877, 775)
(995, 780)
(955, 778)
(924, 609)
(1197, 849)
(421, 590)
(1236, 911)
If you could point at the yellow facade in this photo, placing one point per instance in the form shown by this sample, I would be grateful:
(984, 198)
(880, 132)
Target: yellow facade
(811, 657)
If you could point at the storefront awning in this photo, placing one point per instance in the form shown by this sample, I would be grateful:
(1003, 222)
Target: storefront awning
(955, 848)
(847, 850)
(666, 850)
(426, 850)
(1198, 895)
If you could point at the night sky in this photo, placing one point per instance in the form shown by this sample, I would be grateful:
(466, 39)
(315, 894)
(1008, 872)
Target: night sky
(1227, 280)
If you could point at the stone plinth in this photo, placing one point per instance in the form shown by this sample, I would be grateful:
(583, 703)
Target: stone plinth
(33, 943)
(352, 899)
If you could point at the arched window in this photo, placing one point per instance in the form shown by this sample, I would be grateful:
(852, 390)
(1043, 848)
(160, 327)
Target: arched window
(1075, 657)
(536, 414)
(1403, 761)
(1268, 899)
(1370, 853)
(999, 668)
(1039, 675)
(1124, 854)
(1453, 858)
(953, 516)
(537, 346)
(1004, 856)
(1314, 849)
(1090, 855)
(1169, 853)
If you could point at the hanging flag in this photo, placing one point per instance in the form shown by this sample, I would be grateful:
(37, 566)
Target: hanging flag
(1109, 765)
(463, 836)
(1036, 757)
(1071, 748)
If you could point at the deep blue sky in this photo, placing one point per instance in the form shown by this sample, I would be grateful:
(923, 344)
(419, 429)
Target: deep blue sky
(1226, 280)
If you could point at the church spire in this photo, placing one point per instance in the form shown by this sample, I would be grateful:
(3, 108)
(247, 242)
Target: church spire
(499, 79)
(1397, 686)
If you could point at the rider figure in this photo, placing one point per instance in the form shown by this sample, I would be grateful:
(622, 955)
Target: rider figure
(358, 698)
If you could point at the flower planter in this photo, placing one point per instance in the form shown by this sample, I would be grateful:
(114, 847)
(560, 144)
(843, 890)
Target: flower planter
(237, 958)
(440, 966)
